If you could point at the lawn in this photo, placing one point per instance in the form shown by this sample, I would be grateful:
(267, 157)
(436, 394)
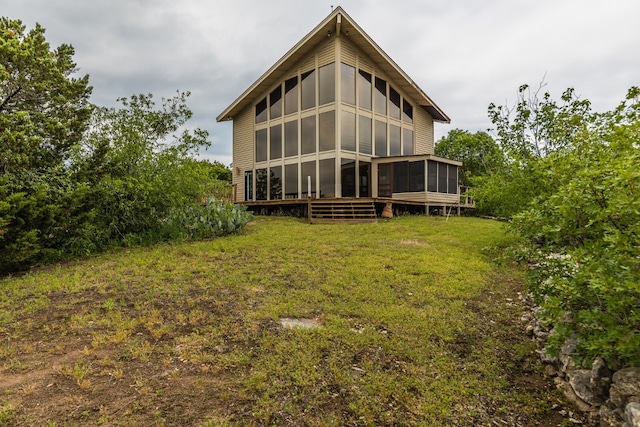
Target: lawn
(415, 325)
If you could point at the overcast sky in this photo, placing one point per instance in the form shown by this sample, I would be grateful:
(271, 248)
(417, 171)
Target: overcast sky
(464, 54)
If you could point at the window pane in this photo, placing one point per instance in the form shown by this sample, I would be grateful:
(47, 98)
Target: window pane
(407, 142)
(291, 138)
(291, 95)
(365, 134)
(442, 178)
(308, 169)
(308, 89)
(348, 84)
(407, 112)
(348, 177)
(416, 176)
(364, 90)
(261, 145)
(380, 96)
(248, 186)
(276, 142)
(261, 111)
(453, 179)
(364, 177)
(394, 140)
(432, 175)
(261, 184)
(327, 128)
(400, 177)
(384, 180)
(394, 103)
(381, 138)
(291, 181)
(348, 130)
(327, 178)
(327, 84)
(275, 183)
(308, 134)
(275, 102)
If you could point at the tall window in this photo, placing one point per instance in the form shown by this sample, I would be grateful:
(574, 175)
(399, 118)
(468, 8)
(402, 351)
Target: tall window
(261, 184)
(291, 138)
(407, 112)
(261, 111)
(442, 178)
(327, 130)
(365, 137)
(261, 145)
(432, 176)
(400, 177)
(308, 89)
(348, 130)
(275, 103)
(394, 140)
(380, 96)
(407, 142)
(453, 179)
(275, 133)
(394, 103)
(308, 169)
(308, 135)
(327, 84)
(275, 183)
(364, 90)
(416, 176)
(327, 178)
(348, 84)
(291, 181)
(381, 138)
(291, 95)
(348, 177)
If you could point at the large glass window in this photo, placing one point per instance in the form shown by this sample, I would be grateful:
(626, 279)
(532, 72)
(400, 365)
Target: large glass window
(275, 183)
(328, 178)
(308, 169)
(364, 90)
(348, 177)
(248, 186)
(308, 135)
(261, 145)
(291, 95)
(275, 103)
(261, 111)
(400, 177)
(308, 89)
(380, 96)
(365, 137)
(394, 103)
(275, 134)
(453, 179)
(348, 84)
(407, 112)
(327, 84)
(291, 181)
(261, 184)
(442, 178)
(407, 142)
(394, 140)
(291, 138)
(416, 176)
(327, 130)
(432, 176)
(381, 138)
(348, 131)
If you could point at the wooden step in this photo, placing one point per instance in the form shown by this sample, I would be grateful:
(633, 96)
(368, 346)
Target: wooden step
(333, 211)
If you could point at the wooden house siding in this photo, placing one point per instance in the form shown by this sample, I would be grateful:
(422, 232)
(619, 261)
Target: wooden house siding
(423, 131)
(243, 155)
(327, 53)
(348, 52)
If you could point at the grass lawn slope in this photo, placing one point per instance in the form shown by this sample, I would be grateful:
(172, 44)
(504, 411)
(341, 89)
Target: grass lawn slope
(415, 326)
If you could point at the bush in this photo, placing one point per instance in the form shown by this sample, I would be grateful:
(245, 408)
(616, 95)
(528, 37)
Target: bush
(216, 218)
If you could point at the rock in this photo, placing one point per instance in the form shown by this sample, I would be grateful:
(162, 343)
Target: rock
(566, 354)
(529, 330)
(584, 388)
(625, 387)
(632, 414)
(610, 416)
(550, 370)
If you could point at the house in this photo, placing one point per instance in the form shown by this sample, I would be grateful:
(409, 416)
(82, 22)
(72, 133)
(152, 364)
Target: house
(336, 119)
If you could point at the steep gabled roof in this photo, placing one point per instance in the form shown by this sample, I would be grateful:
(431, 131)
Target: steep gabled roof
(337, 21)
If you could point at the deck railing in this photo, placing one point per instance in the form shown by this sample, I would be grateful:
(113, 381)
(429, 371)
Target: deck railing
(466, 199)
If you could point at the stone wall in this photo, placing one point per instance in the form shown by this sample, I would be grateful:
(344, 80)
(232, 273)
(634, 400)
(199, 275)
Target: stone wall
(605, 398)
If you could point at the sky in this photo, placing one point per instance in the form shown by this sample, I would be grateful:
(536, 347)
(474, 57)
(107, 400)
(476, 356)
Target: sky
(465, 54)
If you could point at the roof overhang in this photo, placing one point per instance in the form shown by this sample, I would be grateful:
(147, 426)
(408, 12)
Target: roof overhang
(338, 22)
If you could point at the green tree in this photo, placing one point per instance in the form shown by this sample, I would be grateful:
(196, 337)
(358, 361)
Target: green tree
(44, 111)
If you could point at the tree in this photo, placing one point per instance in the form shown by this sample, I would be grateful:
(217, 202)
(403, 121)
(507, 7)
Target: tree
(44, 111)
(478, 152)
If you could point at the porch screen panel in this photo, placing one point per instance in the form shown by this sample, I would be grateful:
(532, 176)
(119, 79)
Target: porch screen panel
(261, 145)
(327, 178)
(291, 181)
(348, 177)
(275, 183)
(261, 184)
(442, 177)
(453, 179)
(416, 176)
(432, 176)
(364, 129)
(400, 177)
(308, 169)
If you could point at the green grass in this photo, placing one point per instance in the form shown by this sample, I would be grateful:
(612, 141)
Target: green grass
(417, 328)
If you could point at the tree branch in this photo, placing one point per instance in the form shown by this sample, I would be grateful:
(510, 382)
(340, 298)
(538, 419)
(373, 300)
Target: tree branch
(4, 103)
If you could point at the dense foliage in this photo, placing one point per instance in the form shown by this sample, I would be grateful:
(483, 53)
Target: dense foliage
(76, 178)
